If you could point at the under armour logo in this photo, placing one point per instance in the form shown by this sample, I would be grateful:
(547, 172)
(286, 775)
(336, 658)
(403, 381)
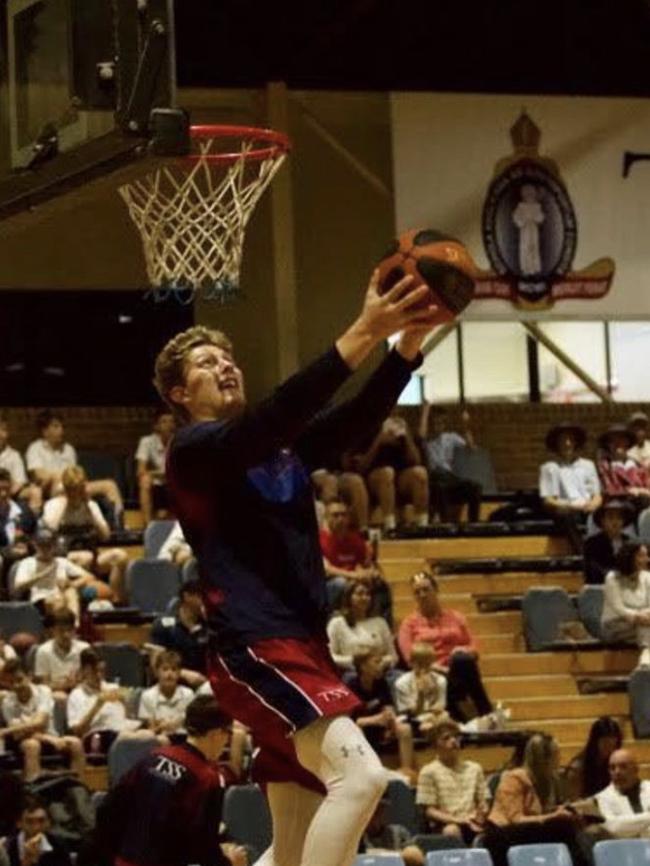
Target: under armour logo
(346, 751)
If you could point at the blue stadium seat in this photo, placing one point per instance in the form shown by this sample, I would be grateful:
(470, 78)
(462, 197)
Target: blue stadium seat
(387, 859)
(550, 854)
(644, 525)
(152, 584)
(99, 465)
(191, 570)
(19, 616)
(124, 754)
(155, 536)
(247, 818)
(543, 609)
(475, 464)
(638, 689)
(459, 857)
(436, 842)
(622, 852)
(401, 808)
(590, 609)
(124, 663)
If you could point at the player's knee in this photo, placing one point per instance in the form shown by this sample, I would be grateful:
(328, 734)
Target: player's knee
(30, 747)
(366, 782)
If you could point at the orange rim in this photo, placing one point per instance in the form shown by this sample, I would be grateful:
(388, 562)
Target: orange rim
(274, 143)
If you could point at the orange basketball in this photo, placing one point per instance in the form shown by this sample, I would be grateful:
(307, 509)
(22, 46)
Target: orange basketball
(440, 261)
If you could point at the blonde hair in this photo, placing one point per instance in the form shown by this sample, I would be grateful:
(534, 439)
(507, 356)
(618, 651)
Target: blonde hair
(422, 654)
(539, 756)
(169, 369)
(73, 476)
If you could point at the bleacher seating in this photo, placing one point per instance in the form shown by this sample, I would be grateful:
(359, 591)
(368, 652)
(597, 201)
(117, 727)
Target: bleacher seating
(383, 859)
(125, 664)
(459, 857)
(19, 616)
(622, 852)
(247, 818)
(590, 602)
(152, 584)
(551, 854)
(155, 535)
(125, 753)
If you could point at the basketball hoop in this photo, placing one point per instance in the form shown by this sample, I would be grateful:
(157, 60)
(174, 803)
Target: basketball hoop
(192, 211)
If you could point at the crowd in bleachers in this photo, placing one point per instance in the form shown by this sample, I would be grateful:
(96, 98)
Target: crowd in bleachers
(419, 681)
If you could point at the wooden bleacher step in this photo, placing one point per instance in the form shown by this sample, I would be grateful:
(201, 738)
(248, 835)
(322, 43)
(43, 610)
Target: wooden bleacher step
(472, 547)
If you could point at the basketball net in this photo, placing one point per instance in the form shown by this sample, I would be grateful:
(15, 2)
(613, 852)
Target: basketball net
(192, 212)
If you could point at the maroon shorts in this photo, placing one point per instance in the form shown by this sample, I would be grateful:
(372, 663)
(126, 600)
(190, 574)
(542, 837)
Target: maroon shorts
(276, 687)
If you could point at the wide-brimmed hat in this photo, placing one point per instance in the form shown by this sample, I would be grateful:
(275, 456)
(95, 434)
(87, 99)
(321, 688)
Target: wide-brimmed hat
(616, 430)
(638, 418)
(625, 509)
(578, 433)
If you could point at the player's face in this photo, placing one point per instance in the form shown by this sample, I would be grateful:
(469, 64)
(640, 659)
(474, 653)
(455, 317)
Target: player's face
(214, 385)
(54, 432)
(165, 425)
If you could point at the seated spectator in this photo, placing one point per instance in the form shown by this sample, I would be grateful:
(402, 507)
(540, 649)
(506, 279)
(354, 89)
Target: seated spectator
(355, 630)
(162, 707)
(394, 473)
(80, 523)
(447, 632)
(57, 662)
(620, 475)
(449, 492)
(527, 806)
(452, 790)
(186, 633)
(49, 455)
(588, 772)
(600, 549)
(239, 751)
(626, 608)
(53, 581)
(625, 802)
(348, 556)
(12, 462)
(421, 693)
(7, 653)
(174, 548)
(28, 713)
(343, 482)
(96, 707)
(568, 484)
(16, 525)
(33, 844)
(637, 424)
(150, 463)
(377, 716)
(380, 837)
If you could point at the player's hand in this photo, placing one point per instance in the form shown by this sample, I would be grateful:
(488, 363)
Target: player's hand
(396, 310)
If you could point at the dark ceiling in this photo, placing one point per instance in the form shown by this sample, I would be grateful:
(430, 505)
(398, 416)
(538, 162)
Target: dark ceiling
(543, 46)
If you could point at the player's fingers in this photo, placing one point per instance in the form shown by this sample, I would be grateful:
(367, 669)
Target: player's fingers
(423, 318)
(401, 286)
(412, 297)
(373, 285)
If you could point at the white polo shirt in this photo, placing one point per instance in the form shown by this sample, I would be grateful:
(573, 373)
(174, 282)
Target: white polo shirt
(41, 455)
(11, 460)
(52, 664)
(40, 701)
(59, 515)
(152, 452)
(154, 706)
(111, 716)
(48, 574)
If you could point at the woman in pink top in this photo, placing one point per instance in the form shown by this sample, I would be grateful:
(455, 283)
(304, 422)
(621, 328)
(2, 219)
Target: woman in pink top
(455, 648)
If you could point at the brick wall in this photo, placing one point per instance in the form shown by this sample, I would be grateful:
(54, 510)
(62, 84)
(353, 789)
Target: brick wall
(512, 432)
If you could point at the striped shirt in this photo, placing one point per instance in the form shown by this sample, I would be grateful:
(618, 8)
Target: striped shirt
(457, 790)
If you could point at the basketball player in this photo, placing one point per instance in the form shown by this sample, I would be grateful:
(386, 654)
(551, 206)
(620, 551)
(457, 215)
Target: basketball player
(239, 480)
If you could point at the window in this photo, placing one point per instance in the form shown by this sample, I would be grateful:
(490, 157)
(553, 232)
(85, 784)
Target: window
(495, 361)
(629, 344)
(584, 343)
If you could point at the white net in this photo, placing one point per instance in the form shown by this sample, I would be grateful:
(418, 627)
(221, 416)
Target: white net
(192, 216)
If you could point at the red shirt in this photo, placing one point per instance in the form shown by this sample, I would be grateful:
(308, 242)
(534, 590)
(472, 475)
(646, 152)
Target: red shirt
(617, 477)
(444, 633)
(344, 551)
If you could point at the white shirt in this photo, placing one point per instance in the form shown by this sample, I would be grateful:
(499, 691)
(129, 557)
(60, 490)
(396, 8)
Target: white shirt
(622, 598)
(620, 819)
(40, 701)
(46, 584)
(154, 706)
(58, 515)
(52, 664)
(173, 543)
(152, 452)
(345, 641)
(441, 450)
(41, 455)
(406, 693)
(577, 481)
(11, 460)
(111, 716)
(639, 453)
(11, 523)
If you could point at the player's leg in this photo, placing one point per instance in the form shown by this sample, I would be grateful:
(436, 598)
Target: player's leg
(336, 752)
(381, 484)
(292, 810)
(413, 487)
(354, 491)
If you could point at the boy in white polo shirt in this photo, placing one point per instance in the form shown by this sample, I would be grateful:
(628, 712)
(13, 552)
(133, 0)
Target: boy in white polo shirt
(162, 707)
(57, 660)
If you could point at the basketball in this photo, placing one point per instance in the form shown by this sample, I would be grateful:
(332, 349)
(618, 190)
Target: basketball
(440, 261)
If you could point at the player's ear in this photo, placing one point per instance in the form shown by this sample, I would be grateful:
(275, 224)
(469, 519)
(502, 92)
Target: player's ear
(178, 394)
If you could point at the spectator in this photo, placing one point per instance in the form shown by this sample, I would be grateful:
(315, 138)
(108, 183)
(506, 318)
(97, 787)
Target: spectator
(7, 653)
(620, 475)
(393, 469)
(57, 662)
(186, 633)
(568, 484)
(527, 806)
(447, 632)
(150, 463)
(625, 802)
(639, 452)
(588, 771)
(175, 548)
(355, 630)
(80, 523)
(162, 707)
(377, 716)
(600, 549)
(98, 707)
(452, 790)
(422, 691)
(12, 461)
(33, 845)
(28, 713)
(348, 556)
(49, 455)
(240, 749)
(53, 581)
(448, 490)
(16, 525)
(343, 482)
(626, 609)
